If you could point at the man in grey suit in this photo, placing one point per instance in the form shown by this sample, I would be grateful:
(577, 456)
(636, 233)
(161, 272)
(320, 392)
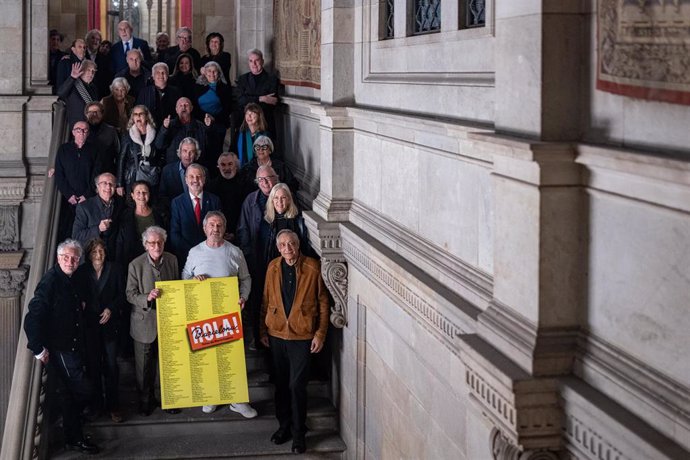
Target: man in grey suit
(154, 265)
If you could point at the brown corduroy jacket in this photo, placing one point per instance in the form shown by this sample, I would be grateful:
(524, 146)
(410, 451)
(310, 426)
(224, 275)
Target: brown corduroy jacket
(309, 313)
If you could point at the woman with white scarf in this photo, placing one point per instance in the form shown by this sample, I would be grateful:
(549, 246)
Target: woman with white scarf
(139, 159)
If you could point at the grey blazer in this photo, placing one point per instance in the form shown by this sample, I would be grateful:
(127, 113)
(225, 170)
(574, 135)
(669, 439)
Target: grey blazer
(141, 277)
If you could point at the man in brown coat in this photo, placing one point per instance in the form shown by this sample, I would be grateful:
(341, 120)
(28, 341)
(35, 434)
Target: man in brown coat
(294, 323)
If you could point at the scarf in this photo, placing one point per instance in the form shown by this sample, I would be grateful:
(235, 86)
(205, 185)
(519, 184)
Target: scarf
(135, 135)
(83, 91)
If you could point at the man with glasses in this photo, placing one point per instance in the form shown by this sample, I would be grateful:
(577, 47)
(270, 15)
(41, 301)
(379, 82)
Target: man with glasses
(143, 272)
(54, 327)
(104, 136)
(184, 45)
(74, 166)
(253, 234)
(99, 216)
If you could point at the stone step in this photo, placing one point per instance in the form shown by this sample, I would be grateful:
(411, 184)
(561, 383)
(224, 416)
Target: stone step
(254, 444)
(321, 416)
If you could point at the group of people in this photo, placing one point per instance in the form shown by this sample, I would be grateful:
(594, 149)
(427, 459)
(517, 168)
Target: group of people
(157, 199)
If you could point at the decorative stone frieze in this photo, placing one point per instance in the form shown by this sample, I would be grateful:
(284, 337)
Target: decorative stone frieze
(9, 230)
(524, 409)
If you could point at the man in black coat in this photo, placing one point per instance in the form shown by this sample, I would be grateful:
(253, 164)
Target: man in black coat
(135, 73)
(105, 137)
(231, 188)
(54, 327)
(127, 42)
(258, 86)
(64, 66)
(160, 98)
(99, 216)
(173, 130)
(184, 45)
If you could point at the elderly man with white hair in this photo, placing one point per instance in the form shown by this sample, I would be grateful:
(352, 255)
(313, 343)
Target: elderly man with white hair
(216, 258)
(154, 265)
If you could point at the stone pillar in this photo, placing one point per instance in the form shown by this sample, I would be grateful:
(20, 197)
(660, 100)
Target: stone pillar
(254, 20)
(539, 255)
(11, 286)
(540, 49)
(337, 51)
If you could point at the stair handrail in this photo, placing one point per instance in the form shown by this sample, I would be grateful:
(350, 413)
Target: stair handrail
(23, 437)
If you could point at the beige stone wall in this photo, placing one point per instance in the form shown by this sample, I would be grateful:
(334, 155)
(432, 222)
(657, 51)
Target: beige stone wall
(69, 17)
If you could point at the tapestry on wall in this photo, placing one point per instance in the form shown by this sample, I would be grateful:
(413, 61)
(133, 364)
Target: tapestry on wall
(644, 49)
(297, 52)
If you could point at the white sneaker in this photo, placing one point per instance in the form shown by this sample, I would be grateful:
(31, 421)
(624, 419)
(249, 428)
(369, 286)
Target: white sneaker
(209, 409)
(244, 409)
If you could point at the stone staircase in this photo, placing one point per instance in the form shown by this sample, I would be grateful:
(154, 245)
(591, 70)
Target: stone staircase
(223, 434)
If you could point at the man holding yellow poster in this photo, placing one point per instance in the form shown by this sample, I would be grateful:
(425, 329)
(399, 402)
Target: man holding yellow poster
(203, 362)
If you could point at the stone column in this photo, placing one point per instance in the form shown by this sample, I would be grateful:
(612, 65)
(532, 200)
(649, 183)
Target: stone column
(254, 20)
(540, 49)
(11, 286)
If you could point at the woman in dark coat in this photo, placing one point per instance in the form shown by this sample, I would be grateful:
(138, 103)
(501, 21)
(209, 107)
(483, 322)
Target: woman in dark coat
(282, 213)
(102, 317)
(140, 215)
(184, 75)
(139, 158)
(215, 43)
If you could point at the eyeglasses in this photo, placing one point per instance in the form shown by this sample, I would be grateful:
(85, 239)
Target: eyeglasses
(93, 112)
(138, 114)
(154, 243)
(184, 37)
(81, 130)
(69, 257)
(261, 147)
(106, 184)
(265, 180)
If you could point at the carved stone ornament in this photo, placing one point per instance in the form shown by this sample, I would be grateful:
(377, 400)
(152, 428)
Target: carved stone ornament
(503, 449)
(12, 281)
(9, 230)
(334, 272)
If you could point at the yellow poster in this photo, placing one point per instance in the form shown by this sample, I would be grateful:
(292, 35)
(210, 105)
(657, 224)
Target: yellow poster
(200, 344)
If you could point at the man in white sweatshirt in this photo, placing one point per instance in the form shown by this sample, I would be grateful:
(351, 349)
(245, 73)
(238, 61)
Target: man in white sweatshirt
(217, 258)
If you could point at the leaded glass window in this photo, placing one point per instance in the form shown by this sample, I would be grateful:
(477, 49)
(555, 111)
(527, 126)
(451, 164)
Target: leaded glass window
(427, 16)
(474, 14)
(388, 24)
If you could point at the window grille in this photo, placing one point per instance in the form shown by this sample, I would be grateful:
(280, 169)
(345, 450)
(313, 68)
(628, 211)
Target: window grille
(388, 26)
(474, 14)
(427, 16)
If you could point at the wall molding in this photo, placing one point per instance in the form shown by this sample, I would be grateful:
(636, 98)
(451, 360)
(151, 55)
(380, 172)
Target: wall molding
(610, 369)
(587, 443)
(424, 253)
(444, 313)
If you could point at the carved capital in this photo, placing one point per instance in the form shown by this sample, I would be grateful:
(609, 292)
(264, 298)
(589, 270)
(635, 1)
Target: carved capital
(503, 449)
(12, 281)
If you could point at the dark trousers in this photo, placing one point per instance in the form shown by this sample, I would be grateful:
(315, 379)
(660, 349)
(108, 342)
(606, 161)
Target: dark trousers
(146, 369)
(101, 365)
(76, 391)
(291, 360)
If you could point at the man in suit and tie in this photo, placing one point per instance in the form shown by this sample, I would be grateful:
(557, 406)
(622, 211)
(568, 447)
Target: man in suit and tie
(118, 52)
(154, 265)
(187, 213)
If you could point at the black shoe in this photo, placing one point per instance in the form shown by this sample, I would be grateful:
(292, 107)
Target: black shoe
(172, 411)
(281, 436)
(85, 447)
(299, 446)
